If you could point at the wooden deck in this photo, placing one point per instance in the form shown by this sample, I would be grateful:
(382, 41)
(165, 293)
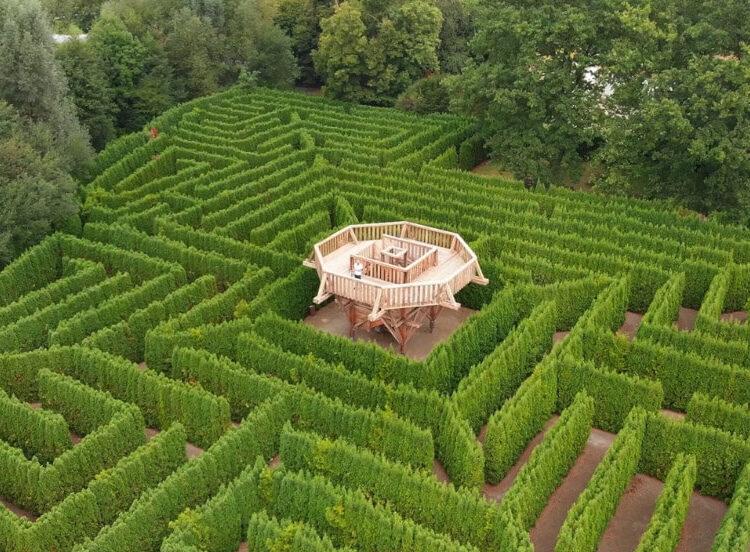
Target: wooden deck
(449, 262)
(410, 273)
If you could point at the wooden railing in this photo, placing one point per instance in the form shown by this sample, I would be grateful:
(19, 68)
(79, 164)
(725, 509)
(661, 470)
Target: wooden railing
(420, 266)
(414, 249)
(379, 269)
(433, 236)
(332, 243)
(376, 230)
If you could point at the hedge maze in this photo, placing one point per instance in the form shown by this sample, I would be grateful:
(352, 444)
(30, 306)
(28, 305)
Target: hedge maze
(159, 392)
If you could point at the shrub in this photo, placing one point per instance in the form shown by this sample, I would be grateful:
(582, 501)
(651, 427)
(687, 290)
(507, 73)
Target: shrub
(549, 462)
(665, 527)
(427, 95)
(588, 518)
(520, 418)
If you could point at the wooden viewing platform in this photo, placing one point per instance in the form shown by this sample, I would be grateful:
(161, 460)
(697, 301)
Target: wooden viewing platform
(410, 273)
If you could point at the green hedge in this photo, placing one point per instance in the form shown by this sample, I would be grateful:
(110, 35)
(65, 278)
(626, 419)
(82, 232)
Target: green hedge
(681, 374)
(266, 534)
(85, 274)
(195, 262)
(734, 533)
(347, 516)
(455, 443)
(667, 301)
(549, 462)
(289, 297)
(720, 456)
(495, 379)
(33, 269)
(665, 527)
(218, 338)
(32, 332)
(614, 393)
(280, 263)
(147, 521)
(39, 433)
(77, 327)
(728, 351)
(127, 337)
(379, 430)
(162, 400)
(714, 412)
(109, 437)
(589, 516)
(415, 495)
(518, 421)
(83, 514)
(366, 358)
(116, 259)
(452, 359)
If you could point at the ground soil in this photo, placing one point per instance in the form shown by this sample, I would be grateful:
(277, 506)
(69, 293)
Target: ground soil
(333, 320)
(703, 520)
(488, 168)
(673, 414)
(686, 319)
(438, 470)
(559, 336)
(736, 316)
(544, 533)
(630, 327)
(634, 513)
(20, 512)
(274, 462)
(310, 90)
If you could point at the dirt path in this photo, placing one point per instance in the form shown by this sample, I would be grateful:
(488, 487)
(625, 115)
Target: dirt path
(630, 327)
(438, 470)
(544, 533)
(633, 513)
(736, 316)
(686, 319)
(703, 520)
(20, 512)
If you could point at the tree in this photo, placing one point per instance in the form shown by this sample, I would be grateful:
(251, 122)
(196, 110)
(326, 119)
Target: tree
(531, 87)
(32, 81)
(405, 48)
(688, 138)
(36, 194)
(374, 63)
(122, 55)
(428, 95)
(72, 13)
(455, 35)
(155, 91)
(300, 20)
(257, 45)
(90, 90)
(341, 57)
(194, 51)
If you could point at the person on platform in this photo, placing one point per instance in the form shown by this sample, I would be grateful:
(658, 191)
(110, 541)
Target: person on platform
(358, 267)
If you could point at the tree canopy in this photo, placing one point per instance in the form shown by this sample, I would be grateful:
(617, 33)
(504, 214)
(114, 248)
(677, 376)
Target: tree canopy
(650, 94)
